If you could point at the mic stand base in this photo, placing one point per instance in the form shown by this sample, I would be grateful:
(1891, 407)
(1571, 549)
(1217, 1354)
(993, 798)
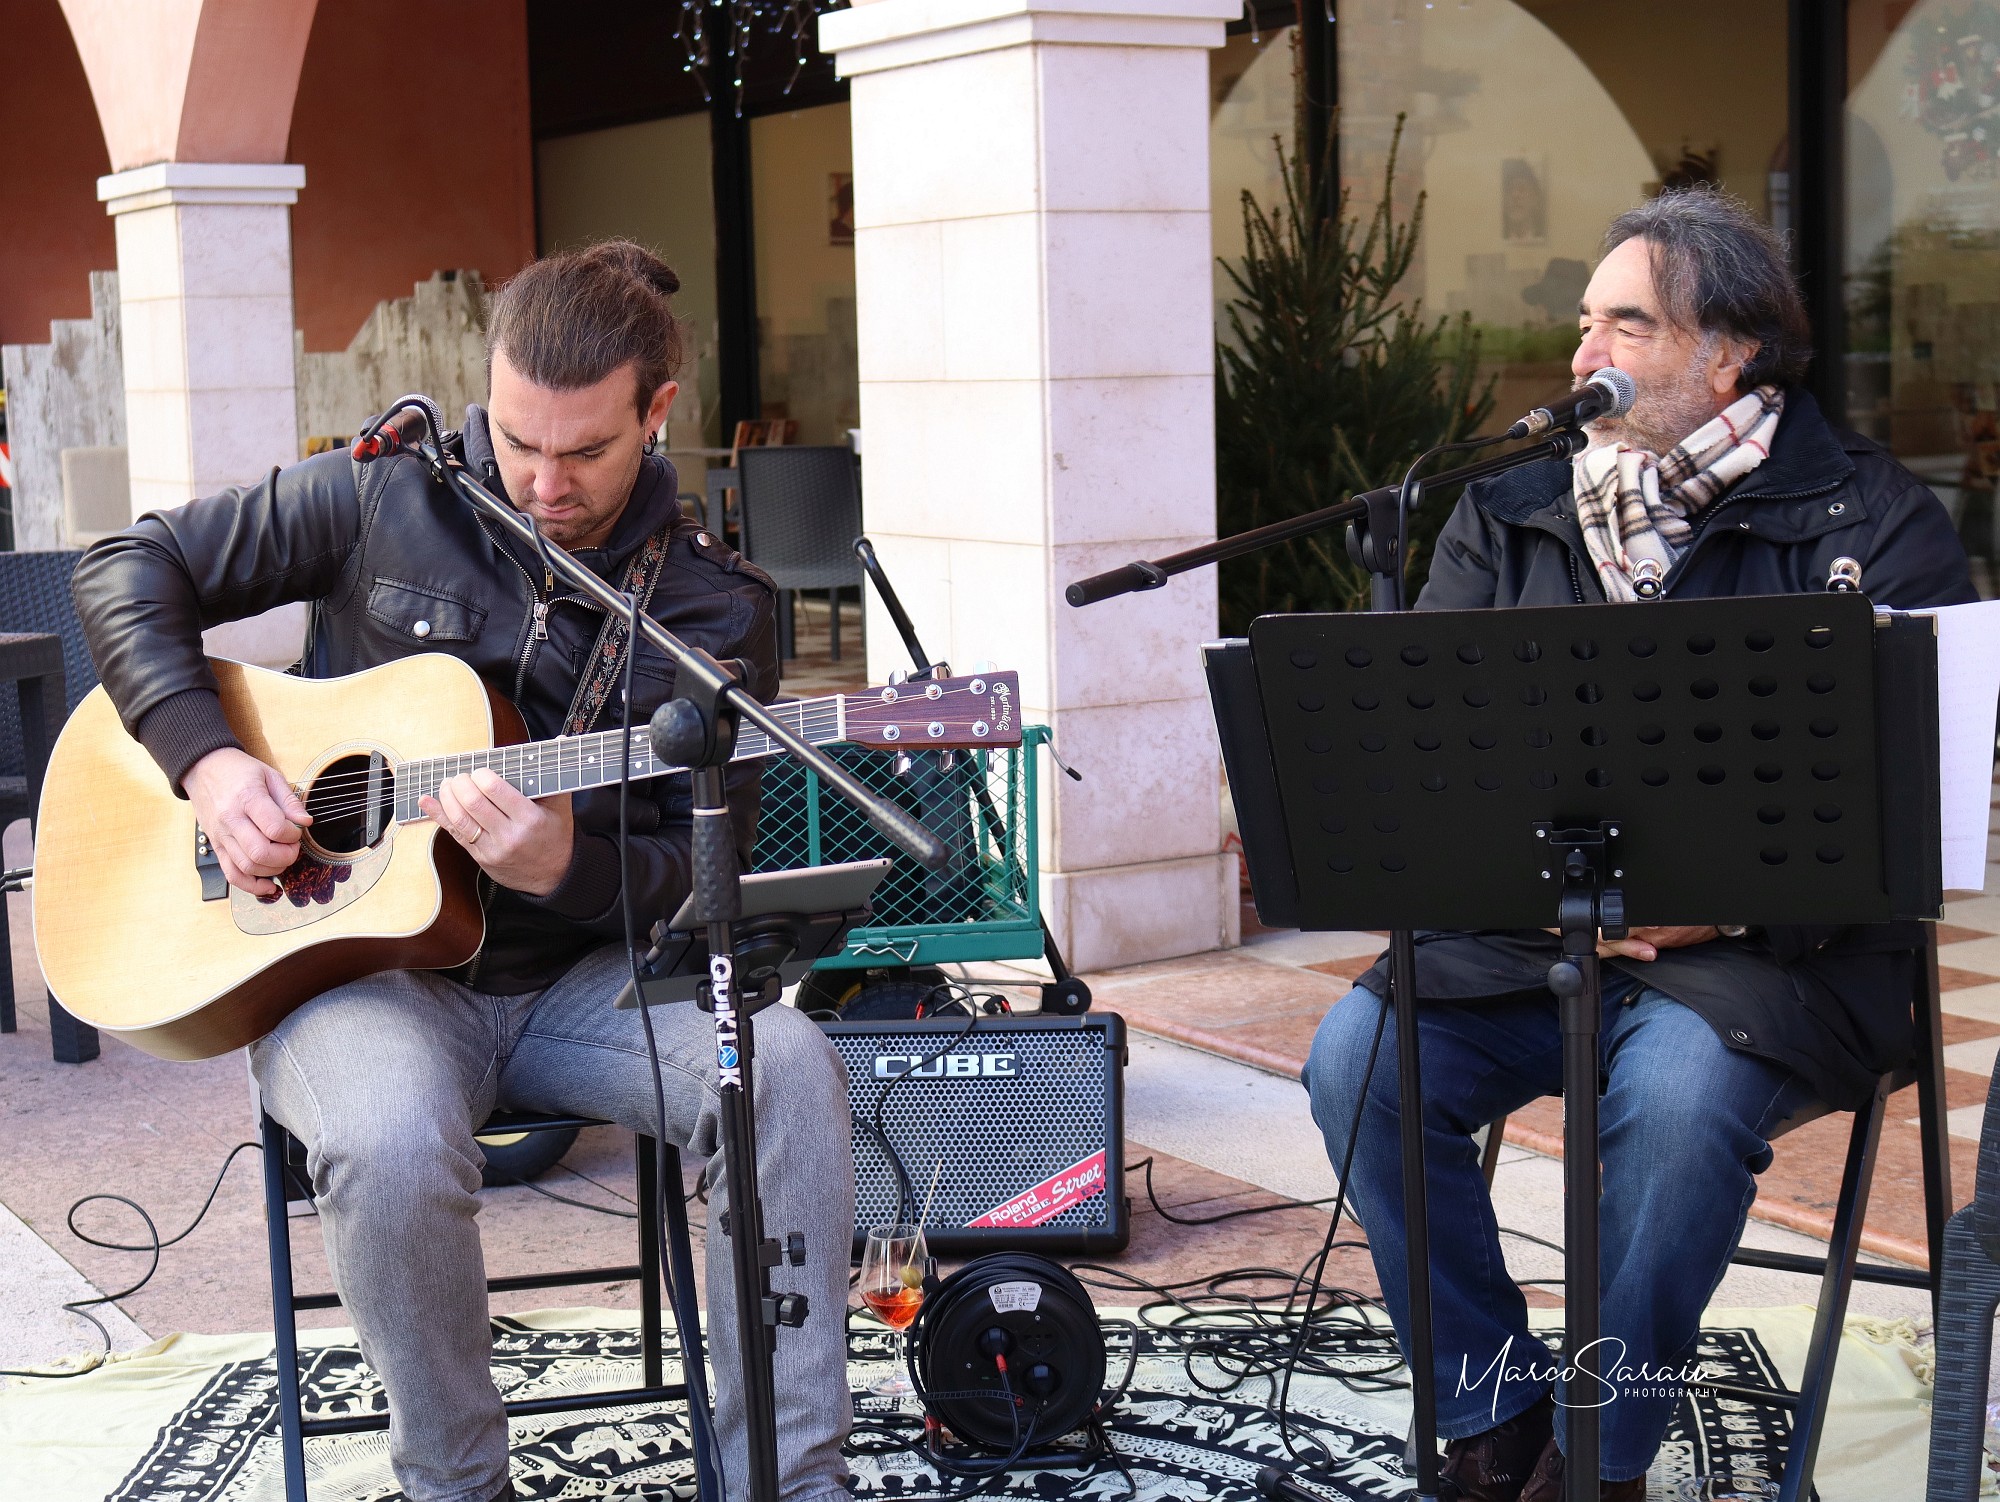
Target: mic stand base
(696, 730)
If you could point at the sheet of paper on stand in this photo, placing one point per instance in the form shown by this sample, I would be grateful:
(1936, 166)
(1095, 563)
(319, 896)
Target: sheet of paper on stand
(1968, 692)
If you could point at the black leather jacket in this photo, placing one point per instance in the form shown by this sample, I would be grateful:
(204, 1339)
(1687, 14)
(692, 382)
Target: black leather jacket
(379, 548)
(1830, 1004)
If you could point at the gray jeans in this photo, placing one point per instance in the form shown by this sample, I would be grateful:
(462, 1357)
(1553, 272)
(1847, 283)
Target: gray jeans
(386, 1080)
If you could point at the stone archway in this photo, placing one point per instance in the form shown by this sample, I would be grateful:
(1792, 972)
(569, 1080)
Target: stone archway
(195, 100)
(192, 80)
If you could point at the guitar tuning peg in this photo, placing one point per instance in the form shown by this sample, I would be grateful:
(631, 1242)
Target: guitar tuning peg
(902, 764)
(898, 677)
(946, 760)
(940, 670)
(985, 665)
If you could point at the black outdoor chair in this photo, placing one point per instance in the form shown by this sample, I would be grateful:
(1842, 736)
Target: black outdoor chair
(1966, 1305)
(801, 511)
(34, 597)
(284, 1176)
(1841, 1266)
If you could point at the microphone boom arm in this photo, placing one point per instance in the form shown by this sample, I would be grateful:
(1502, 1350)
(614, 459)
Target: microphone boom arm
(1376, 508)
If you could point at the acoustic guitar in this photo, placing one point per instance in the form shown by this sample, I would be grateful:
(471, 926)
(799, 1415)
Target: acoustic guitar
(139, 934)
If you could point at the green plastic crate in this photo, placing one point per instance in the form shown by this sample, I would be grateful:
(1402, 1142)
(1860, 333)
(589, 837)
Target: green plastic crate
(984, 905)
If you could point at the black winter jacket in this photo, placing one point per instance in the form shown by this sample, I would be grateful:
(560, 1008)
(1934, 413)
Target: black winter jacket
(379, 548)
(1830, 1004)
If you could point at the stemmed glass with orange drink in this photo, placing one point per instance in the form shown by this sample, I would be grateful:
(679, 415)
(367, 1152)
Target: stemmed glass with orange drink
(893, 1264)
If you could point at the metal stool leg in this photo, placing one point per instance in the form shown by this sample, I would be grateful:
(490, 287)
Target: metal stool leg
(646, 1168)
(284, 1316)
(687, 1324)
(1932, 1125)
(1816, 1384)
(6, 972)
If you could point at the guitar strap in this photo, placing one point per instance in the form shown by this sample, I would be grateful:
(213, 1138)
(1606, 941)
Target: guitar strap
(607, 657)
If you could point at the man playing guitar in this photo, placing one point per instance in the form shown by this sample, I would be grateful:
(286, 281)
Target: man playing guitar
(386, 1079)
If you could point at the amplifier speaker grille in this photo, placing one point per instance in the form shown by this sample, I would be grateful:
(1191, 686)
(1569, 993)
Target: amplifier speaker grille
(1025, 1113)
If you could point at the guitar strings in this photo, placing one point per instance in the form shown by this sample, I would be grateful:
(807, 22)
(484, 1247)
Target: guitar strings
(388, 804)
(815, 715)
(350, 807)
(819, 713)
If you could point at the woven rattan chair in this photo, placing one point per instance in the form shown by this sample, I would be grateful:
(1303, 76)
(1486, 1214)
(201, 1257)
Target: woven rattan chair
(801, 511)
(1967, 1302)
(34, 597)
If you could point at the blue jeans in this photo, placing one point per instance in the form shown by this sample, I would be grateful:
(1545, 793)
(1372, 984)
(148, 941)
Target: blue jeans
(1682, 1131)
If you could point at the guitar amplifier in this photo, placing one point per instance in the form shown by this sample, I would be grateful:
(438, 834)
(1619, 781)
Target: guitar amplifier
(1026, 1116)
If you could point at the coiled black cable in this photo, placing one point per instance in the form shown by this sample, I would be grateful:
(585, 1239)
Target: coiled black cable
(154, 1245)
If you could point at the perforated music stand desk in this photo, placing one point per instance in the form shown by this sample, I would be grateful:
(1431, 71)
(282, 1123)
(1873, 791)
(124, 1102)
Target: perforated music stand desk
(1686, 762)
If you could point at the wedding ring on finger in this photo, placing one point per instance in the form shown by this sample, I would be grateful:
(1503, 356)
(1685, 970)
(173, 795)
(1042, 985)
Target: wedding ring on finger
(473, 838)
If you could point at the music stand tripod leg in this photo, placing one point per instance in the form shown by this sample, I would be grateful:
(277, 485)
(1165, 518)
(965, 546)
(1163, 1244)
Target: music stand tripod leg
(1379, 543)
(1587, 904)
(1416, 1214)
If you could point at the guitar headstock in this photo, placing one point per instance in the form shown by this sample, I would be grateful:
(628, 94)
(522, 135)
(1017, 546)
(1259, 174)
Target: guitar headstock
(938, 714)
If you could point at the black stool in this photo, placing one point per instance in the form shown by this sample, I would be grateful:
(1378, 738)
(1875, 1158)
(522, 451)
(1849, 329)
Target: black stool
(295, 1428)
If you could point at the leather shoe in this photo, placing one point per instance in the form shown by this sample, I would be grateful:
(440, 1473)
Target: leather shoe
(1546, 1484)
(1494, 1466)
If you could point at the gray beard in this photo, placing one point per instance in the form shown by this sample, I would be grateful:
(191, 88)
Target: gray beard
(1660, 418)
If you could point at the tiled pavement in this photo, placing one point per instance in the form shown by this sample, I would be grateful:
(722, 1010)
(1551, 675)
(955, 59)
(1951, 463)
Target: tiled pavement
(1261, 1004)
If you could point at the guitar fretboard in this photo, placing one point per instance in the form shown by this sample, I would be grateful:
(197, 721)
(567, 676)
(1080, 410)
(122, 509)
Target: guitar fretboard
(572, 763)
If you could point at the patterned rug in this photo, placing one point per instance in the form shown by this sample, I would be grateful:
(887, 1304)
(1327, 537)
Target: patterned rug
(193, 1419)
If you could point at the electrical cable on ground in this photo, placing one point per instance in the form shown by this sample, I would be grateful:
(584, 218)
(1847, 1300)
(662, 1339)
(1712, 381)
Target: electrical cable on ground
(154, 1245)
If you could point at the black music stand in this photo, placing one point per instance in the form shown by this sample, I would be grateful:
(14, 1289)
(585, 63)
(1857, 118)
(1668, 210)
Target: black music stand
(1687, 762)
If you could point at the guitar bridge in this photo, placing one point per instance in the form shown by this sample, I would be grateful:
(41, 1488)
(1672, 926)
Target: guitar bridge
(208, 866)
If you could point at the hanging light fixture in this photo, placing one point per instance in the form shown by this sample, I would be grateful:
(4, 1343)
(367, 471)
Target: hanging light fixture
(703, 22)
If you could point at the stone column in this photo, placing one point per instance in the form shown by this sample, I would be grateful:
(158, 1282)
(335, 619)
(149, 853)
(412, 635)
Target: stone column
(1032, 260)
(205, 298)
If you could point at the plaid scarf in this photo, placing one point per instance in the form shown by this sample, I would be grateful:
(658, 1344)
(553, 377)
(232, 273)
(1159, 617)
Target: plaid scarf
(1635, 508)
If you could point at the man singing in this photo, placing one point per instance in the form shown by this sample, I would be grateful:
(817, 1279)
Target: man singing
(1724, 479)
(386, 1079)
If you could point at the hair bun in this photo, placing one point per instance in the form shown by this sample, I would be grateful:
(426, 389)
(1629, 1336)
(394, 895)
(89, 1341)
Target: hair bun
(638, 263)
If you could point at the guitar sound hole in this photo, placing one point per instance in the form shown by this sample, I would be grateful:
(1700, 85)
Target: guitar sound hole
(352, 802)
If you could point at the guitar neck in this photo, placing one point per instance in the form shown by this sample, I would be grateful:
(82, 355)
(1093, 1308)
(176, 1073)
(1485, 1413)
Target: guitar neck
(572, 763)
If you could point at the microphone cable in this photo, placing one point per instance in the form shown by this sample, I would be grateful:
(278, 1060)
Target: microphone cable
(1255, 1348)
(1463, 445)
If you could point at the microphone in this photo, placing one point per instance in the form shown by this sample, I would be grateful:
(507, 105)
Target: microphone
(384, 441)
(401, 427)
(1608, 393)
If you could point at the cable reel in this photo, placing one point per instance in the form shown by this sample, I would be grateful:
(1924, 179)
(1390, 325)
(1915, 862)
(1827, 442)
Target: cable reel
(1007, 1353)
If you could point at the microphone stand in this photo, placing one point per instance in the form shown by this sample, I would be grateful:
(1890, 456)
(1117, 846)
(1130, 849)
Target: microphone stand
(1376, 528)
(697, 729)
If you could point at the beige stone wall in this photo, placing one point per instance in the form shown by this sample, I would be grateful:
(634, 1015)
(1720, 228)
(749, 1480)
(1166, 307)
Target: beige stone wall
(433, 341)
(68, 393)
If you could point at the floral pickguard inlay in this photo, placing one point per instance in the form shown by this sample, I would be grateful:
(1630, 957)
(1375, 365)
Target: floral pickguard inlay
(310, 889)
(307, 880)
